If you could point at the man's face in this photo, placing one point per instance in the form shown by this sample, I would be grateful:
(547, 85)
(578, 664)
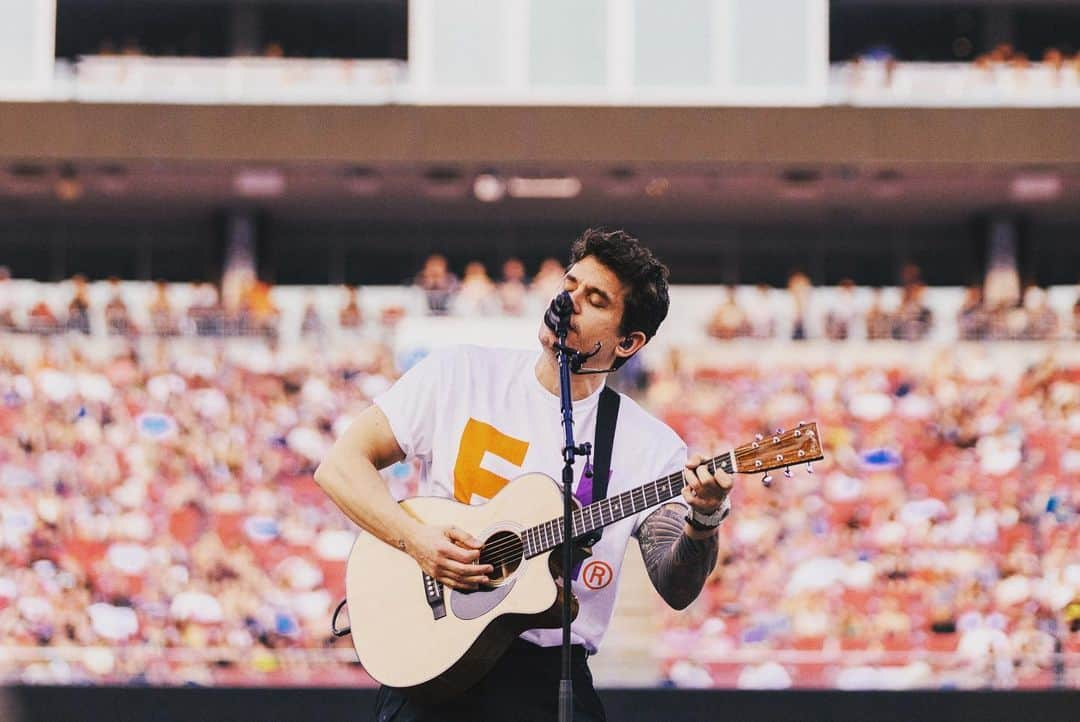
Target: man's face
(598, 295)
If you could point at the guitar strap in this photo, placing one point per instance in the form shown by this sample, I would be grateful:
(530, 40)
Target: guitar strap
(606, 416)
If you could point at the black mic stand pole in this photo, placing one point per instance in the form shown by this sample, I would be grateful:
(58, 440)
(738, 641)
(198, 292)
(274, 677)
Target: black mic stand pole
(566, 685)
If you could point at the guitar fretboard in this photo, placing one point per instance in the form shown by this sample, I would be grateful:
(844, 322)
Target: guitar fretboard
(546, 536)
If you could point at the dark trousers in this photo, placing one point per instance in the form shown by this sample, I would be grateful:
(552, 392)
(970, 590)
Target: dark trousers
(523, 687)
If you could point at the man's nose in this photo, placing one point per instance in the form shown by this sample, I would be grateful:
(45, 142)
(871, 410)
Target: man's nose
(575, 296)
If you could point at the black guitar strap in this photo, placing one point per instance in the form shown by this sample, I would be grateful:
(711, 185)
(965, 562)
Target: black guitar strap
(606, 416)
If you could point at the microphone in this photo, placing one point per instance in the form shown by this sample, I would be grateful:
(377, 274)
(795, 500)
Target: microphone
(557, 319)
(558, 314)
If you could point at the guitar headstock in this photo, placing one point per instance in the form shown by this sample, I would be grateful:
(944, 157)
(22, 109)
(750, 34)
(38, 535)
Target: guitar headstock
(782, 449)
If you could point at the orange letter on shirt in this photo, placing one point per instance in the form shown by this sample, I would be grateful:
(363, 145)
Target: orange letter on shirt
(477, 439)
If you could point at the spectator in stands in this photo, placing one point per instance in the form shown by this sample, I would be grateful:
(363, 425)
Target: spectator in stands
(879, 321)
(843, 313)
(162, 319)
(799, 290)
(205, 312)
(1042, 320)
(311, 324)
(260, 312)
(1076, 319)
(1007, 320)
(438, 283)
(117, 318)
(728, 321)
(548, 281)
(7, 302)
(760, 312)
(1055, 60)
(41, 319)
(914, 318)
(513, 287)
(350, 317)
(78, 310)
(972, 320)
(476, 295)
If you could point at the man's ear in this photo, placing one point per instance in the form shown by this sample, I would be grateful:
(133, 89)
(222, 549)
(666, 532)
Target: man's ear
(630, 344)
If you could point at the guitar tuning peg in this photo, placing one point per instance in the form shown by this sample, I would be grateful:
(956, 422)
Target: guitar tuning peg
(779, 430)
(758, 437)
(809, 468)
(802, 423)
(787, 471)
(766, 480)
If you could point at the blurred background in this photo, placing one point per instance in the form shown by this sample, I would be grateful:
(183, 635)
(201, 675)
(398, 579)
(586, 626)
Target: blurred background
(225, 225)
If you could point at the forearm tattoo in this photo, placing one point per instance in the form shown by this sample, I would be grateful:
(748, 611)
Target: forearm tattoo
(678, 565)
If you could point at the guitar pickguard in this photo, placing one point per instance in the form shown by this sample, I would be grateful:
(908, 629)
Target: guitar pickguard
(470, 605)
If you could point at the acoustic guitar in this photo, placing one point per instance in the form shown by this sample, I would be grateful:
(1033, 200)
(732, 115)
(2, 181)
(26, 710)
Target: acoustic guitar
(411, 632)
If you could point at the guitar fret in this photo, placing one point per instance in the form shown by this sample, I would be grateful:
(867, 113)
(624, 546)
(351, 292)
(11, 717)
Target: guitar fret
(586, 519)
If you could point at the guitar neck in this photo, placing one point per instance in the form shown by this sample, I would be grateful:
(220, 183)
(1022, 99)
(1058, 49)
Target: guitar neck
(546, 536)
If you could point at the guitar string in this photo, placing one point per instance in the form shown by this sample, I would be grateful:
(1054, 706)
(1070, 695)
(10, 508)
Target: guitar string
(505, 545)
(502, 550)
(595, 508)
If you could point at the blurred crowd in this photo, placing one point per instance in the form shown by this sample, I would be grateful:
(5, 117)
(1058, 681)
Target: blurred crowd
(1004, 56)
(798, 311)
(249, 308)
(851, 312)
(937, 544)
(161, 499)
(159, 523)
(477, 293)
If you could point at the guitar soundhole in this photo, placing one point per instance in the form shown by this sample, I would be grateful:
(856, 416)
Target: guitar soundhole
(504, 551)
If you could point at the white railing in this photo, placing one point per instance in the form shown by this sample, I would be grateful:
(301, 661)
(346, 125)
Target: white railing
(882, 83)
(272, 81)
(281, 81)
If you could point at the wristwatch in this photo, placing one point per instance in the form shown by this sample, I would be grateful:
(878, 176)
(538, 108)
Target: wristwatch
(706, 522)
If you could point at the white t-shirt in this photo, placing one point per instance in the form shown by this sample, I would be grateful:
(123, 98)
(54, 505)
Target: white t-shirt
(483, 412)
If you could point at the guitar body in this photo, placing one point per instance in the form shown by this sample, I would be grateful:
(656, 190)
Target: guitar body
(397, 630)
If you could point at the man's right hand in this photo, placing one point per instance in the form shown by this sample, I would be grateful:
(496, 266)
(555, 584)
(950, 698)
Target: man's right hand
(449, 555)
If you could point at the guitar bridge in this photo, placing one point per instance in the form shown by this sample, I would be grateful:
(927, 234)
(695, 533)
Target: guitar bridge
(435, 598)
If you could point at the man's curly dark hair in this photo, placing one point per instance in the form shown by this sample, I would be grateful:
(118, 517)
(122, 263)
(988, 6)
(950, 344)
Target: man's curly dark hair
(645, 277)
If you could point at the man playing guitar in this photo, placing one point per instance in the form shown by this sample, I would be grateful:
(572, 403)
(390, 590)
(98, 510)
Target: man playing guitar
(477, 418)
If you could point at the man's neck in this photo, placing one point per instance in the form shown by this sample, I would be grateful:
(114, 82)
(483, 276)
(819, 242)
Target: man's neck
(547, 373)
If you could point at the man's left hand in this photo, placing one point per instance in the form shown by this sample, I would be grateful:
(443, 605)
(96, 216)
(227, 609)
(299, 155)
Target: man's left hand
(704, 491)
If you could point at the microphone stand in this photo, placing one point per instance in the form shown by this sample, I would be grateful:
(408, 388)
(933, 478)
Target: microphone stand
(568, 357)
